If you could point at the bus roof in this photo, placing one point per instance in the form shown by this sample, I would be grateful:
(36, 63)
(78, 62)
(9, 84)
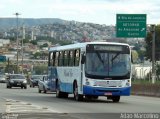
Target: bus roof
(81, 45)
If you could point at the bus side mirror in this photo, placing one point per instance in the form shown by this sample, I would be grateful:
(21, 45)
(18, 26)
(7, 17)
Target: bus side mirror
(131, 57)
(83, 59)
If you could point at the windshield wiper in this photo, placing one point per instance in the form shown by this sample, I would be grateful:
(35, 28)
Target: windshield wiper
(100, 57)
(115, 57)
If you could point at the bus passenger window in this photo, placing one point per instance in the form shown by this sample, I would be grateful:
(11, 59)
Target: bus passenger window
(77, 58)
(56, 58)
(50, 63)
(71, 58)
(60, 63)
(66, 58)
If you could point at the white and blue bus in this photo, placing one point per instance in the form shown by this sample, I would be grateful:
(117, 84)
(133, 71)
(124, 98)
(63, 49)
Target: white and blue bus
(90, 70)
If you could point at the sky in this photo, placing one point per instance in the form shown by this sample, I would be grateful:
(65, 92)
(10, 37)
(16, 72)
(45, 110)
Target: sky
(92, 11)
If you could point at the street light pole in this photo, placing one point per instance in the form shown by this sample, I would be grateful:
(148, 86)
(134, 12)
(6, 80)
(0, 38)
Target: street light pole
(22, 44)
(153, 54)
(17, 39)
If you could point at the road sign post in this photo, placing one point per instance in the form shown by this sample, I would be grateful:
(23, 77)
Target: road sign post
(153, 54)
(131, 25)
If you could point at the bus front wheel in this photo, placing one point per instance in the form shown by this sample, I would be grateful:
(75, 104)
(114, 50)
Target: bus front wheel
(116, 98)
(77, 96)
(58, 92)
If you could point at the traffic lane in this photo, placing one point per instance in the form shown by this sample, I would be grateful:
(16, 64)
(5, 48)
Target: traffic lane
(2, 105)
(2, 100)
(127, 104)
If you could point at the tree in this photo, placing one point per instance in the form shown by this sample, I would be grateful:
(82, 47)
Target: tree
(40, 69)
(158, 71)
(148, 39)
(33, 42)
(40, 55)
(44, 45)
(37, 55)
(134, 56)
(25, 40)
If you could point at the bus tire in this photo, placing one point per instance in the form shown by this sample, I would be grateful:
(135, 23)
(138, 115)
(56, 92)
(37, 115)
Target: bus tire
(59, 94)
(65, 95)
(95, 97)
(116, 98)
(44, 90)
(77, 96)
(39, 91)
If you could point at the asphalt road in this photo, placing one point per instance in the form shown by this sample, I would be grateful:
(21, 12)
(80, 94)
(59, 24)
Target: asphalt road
(17, 100)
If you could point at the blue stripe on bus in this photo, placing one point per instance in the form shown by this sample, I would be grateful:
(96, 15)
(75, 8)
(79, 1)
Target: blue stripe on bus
(99, 91)
(66, 87)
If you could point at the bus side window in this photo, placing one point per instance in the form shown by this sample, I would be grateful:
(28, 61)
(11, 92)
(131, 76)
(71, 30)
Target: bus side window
(56, 59)
(60, 63)
(77, 57)
(66, 59)
(50, 63)
(71, 58)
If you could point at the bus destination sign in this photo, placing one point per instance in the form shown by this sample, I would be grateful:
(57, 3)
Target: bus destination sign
(108, 47)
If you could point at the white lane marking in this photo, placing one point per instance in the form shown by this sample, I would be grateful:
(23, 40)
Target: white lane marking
(15, 106)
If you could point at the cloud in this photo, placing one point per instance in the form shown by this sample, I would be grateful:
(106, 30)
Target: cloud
(98, 11)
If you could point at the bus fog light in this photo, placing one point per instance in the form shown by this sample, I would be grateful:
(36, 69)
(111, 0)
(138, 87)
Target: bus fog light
(127, 84)
(87, 82)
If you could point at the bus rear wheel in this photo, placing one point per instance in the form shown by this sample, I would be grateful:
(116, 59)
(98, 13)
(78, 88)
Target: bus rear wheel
(77, 96)
(59, 94)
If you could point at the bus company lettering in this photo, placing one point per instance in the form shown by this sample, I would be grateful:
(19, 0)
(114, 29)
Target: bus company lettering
(100, 83)
(108, 83)
(68, 73)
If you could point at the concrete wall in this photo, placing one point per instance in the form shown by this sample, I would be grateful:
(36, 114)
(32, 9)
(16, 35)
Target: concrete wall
(141, 71)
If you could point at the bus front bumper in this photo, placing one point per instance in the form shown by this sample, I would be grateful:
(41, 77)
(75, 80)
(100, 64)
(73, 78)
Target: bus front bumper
(99, 91)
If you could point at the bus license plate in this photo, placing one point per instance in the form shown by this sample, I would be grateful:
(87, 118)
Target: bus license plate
(108, 93)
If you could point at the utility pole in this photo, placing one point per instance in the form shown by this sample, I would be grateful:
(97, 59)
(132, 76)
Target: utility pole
(153, 54)
(17, 14)
(22, 45)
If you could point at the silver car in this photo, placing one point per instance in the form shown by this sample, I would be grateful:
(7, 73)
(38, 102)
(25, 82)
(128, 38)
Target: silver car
(43, 84)
(16, 80)
(34, 80)
(2, 78)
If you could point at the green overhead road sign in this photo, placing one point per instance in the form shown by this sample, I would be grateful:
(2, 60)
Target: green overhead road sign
(131, 25)
(2, 58)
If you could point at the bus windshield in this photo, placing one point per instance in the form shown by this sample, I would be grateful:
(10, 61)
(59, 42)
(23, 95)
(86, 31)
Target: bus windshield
(104, 64)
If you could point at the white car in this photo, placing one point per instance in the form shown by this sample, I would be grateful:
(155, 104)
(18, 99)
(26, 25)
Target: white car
(2, 78)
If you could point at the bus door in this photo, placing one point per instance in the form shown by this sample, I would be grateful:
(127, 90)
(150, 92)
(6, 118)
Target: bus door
(52, 76)
(83, 58)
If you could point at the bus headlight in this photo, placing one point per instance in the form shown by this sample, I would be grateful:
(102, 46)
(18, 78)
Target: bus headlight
(24, 81)
(128, 83)
(87, 82)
